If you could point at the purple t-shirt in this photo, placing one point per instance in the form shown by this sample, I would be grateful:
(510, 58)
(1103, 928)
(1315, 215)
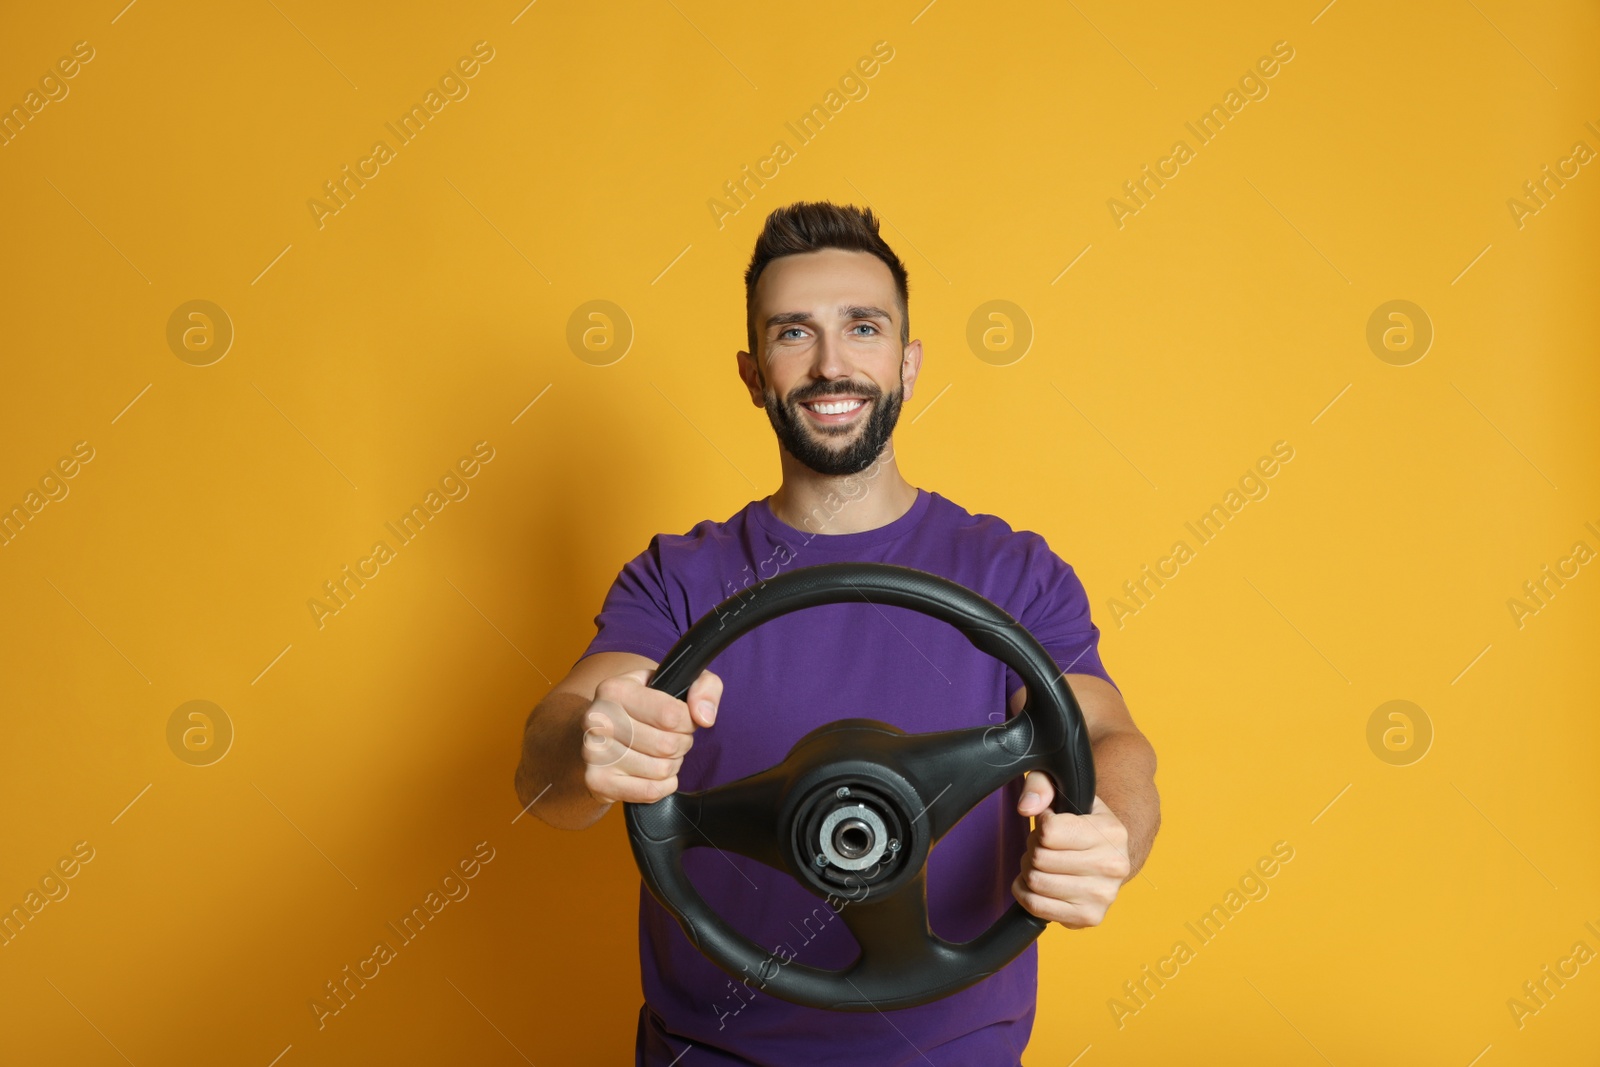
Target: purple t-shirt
(785, 678)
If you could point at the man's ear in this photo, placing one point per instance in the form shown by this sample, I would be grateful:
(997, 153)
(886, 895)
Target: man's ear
(910, 367)
(750, 374)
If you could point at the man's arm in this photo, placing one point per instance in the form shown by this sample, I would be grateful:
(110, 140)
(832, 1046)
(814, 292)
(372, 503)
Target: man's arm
(1124, 762)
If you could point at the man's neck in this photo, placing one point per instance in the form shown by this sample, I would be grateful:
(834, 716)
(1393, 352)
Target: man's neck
(838, 504)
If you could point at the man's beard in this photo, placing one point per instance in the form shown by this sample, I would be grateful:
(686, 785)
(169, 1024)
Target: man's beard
(804, 442)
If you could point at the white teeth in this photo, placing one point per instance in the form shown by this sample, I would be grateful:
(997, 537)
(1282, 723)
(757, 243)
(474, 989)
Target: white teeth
(836, 408)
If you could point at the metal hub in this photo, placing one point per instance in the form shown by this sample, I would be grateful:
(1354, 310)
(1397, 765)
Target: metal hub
(851, 835)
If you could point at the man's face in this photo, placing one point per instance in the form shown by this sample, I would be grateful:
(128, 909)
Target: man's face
(831, 372)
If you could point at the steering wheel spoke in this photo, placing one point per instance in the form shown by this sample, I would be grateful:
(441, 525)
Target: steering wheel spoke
(955, 769)
(740, 816)
(891, 928)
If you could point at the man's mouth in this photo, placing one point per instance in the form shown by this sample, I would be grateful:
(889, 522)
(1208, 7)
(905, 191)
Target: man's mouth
(835, 409)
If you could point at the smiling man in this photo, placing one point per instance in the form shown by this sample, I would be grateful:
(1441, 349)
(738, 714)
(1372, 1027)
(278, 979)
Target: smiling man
(831, 361)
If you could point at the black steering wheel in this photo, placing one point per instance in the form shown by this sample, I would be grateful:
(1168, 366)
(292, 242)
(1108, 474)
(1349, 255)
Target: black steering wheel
(855, 807)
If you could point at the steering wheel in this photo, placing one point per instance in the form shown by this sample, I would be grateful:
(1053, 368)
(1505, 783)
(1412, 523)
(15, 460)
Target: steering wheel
(855, 807)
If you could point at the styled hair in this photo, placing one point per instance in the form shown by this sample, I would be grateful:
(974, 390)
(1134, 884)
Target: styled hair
(807, 226)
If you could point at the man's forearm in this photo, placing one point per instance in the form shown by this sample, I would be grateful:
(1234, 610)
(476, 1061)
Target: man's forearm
(550, 776)
(1124, 771)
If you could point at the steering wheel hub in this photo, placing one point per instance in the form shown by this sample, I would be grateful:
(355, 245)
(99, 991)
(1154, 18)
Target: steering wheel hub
(850, 842)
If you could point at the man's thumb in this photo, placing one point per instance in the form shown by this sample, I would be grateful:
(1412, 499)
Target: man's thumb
(1037, 793)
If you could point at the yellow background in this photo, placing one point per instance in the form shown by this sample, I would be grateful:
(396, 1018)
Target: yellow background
(372, 754)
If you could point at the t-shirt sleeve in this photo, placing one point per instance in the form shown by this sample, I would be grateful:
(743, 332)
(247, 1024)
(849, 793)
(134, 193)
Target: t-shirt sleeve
(1059, 617)
(637, 615)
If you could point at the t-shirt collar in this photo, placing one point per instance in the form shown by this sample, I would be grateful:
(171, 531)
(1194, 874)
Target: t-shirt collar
(761, 510)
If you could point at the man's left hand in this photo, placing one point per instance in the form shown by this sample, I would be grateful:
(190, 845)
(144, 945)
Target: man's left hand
(1075, 864)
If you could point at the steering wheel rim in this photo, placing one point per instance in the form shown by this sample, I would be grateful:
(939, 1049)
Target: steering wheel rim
(775, 815)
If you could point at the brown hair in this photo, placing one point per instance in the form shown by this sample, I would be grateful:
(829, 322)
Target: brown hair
(807, 226)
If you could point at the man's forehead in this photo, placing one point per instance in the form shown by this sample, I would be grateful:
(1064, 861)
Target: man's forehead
(828, 281)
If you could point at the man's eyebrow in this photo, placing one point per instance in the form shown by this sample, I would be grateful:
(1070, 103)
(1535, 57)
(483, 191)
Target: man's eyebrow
(848, 311)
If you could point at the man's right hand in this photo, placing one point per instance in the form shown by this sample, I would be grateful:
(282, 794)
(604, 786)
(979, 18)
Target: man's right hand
(635, 737)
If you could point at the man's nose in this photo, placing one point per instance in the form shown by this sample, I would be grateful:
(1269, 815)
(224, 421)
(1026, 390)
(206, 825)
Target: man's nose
(828, 361)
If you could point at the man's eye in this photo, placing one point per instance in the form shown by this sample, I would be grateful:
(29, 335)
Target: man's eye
(782, 334)
(867, 325)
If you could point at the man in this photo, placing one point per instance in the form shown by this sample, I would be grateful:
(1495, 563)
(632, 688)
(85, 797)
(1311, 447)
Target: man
(830, 361)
